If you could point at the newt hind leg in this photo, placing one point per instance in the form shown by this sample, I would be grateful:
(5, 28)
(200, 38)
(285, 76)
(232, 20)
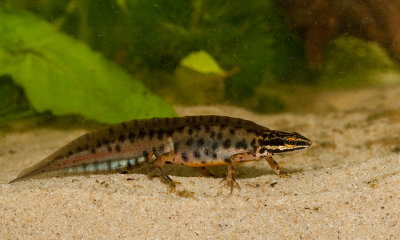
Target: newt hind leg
(156, 170)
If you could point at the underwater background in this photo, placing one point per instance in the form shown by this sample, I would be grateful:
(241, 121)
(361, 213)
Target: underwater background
(117, 60)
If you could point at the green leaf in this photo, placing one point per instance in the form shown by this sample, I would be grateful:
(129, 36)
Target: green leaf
(201, 62)
(63, 75)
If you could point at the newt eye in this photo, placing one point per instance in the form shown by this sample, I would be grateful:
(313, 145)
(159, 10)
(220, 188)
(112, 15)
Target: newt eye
(290, 142)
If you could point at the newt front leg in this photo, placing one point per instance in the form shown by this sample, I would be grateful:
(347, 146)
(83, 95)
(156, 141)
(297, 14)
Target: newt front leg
(273, 164)
(230, 181)
(233, 160)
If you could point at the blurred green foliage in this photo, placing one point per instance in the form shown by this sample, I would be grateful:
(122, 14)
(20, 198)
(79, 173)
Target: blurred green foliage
(149, 38)
(351, 62)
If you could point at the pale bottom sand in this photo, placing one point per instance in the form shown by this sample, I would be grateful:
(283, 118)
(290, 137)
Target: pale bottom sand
(346, 186)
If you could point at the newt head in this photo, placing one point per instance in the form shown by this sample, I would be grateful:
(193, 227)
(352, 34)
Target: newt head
(277, 142)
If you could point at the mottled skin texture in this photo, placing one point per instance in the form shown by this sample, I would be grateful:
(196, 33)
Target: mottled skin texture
(196, 141)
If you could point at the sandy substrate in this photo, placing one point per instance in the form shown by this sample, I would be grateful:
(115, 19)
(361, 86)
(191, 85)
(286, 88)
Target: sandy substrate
(346, 186)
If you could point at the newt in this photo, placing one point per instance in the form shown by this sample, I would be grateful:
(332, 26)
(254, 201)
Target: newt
(195, 141)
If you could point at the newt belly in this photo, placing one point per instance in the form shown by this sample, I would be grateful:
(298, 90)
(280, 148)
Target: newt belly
(196, 141)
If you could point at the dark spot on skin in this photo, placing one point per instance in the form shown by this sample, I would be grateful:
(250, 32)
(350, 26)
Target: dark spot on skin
(227, 143)
(79, 149)
(264, 135)
(86, 146)
(137, 163)
(184, 157)
(219, 136)
(196, 154)
(145, 154)
(98, 144)
(189, 142)
(131, 137)
(151, 133)
(190, 131)
(122, 138)
(109, 148)
(232, 131)
(170, 132)
(69, 153)
(117, 148)
(123, 125)
(187, 119)
(215, 156)
(253, 142)
(262, 150)
(227, 160)
(260, 142)
(241, 144)
(105, 141)
(142, 133)
(212, 135)
(214, 146)
(250, 131)
(206, 152)
(161, 148)
(154, 150)
(180, 129)
(197, 128)
(207, 129)
(200, 142)
(160, 134)
(124, 172)
(93, 150)
(203, 161)
(85, 167)
(222, 127)
(111, 131)
(129, 165)
(176, 146)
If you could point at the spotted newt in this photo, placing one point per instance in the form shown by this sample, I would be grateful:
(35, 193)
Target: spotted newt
(195, 141)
